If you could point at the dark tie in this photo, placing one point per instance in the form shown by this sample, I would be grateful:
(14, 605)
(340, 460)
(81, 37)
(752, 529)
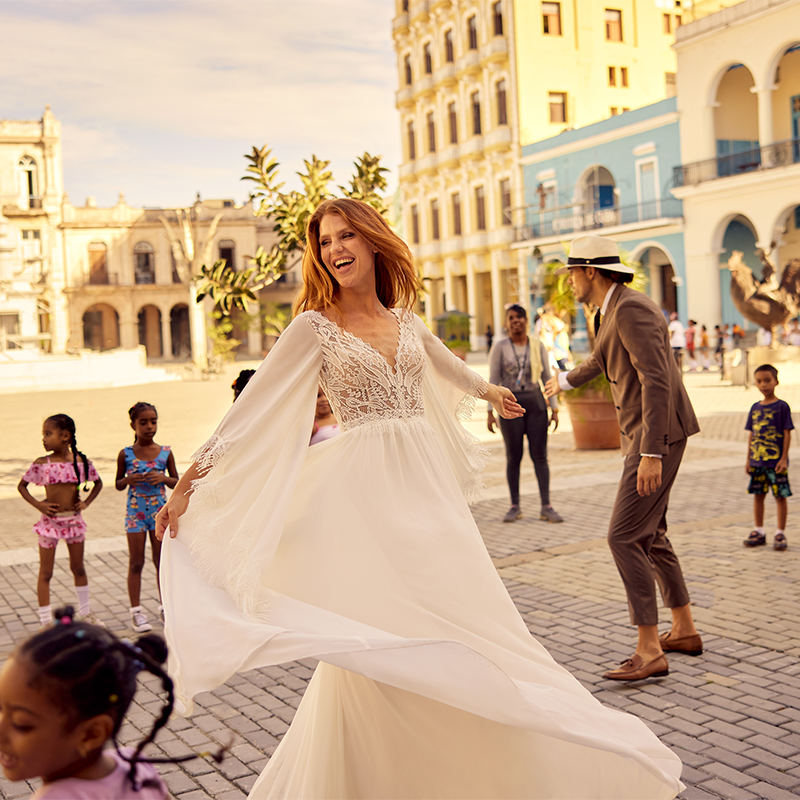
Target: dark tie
(598, 318)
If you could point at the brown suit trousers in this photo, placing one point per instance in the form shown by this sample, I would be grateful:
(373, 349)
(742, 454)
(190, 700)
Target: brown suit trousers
(637, 538)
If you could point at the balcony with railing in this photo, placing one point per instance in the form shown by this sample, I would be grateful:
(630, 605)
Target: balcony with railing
(770, 156)
(558, 221)
(445, 74)
(469, 61)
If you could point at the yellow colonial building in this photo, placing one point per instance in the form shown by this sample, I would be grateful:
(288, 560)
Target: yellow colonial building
(478, 79)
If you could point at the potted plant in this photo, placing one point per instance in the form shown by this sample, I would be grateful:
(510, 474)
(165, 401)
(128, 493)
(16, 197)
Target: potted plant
(453, 330)
(591, 407)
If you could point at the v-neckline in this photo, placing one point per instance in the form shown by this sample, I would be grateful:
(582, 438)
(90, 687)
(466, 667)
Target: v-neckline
(391, 367)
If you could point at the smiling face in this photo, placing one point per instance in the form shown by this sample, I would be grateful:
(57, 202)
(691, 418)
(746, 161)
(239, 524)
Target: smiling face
(349, 257)
(34, 736)
(53, 437)
(145, 425)
(516, 324)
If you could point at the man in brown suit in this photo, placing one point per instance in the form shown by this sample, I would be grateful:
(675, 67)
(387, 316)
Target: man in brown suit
(655, 417)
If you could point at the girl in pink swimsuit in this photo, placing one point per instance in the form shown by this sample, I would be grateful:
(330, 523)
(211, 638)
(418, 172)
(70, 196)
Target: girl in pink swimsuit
(61, 474)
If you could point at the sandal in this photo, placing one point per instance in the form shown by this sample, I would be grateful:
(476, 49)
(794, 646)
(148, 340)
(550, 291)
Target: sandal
(779, 542)
(755, 539)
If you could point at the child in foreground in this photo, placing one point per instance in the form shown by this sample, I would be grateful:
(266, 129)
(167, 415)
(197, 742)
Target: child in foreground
(63, 696)
(61, 475)
(770, 425)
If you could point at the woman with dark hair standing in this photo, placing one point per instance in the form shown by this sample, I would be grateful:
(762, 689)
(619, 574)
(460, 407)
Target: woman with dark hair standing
(362, 552)
(520, 365)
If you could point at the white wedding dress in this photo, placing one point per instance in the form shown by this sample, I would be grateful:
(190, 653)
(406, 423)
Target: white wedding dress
(361, 552)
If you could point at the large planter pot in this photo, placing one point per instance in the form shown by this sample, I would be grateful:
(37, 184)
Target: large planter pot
(594, 423)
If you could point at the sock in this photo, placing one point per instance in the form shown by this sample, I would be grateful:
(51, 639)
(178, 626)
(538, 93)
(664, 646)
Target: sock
(777, 531)
(759, 530)
(83, 599)
(45, 615)
(134, 609)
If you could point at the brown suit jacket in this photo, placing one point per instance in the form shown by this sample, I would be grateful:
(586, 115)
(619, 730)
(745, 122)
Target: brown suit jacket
(632, 349)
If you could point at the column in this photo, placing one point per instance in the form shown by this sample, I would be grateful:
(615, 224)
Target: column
(471, 304)
(166, 334)
(498, 315)
(765, 132)
(254, 332)
(448, 284)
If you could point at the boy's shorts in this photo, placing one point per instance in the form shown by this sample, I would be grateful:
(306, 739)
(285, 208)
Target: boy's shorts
(761, 478)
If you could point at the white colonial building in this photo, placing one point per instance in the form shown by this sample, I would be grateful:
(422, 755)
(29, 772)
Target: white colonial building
(82, 277)
(739, 105)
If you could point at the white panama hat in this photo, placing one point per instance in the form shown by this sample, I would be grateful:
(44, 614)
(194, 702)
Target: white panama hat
(595, 251)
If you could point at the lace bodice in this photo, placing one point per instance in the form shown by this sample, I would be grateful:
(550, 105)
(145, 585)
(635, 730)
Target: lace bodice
(362, 386)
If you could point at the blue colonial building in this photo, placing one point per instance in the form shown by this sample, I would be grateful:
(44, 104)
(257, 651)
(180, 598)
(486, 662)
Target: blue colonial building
(612, 178)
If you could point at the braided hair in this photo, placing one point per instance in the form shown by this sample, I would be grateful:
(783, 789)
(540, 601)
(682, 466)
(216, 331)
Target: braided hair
(66, 423)
(135, 410)
(85, 671)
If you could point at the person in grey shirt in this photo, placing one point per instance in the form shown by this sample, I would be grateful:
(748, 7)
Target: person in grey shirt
(520, 364)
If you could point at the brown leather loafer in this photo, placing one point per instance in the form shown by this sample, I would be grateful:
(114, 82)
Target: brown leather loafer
(688, 645)
(634, 669)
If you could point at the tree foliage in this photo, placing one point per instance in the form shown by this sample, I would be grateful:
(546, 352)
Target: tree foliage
(289, 212)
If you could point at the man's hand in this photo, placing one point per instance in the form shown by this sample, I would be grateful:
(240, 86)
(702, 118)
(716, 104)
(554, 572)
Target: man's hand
(552, 388)
(648, 477)
(783, 464)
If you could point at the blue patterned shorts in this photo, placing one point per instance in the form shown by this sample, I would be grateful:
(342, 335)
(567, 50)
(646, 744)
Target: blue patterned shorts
(761, 478)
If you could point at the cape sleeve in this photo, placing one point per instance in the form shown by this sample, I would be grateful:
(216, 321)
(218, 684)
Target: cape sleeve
(449, 390)
(250, 466)
(34, 474)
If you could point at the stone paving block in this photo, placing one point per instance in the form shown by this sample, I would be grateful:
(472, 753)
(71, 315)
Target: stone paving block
(782, 779)
(233, 768)
(733, 731)
(723, 756)
(757, 726)
(197, 794)
(246, 753)
(196, 739)
(769, 758)
(768, 792)
(262, 740)
(690, 758)
(215, 784)
(178, 782)
(729, 775)
(246, 783)
(780, 747)
(684, 726)
(233, 794)
(715, 739)
(728, 791)
(686, 742)
(693, 793)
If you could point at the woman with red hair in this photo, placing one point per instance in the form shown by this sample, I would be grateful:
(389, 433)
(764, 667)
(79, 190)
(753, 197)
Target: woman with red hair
(362, 553)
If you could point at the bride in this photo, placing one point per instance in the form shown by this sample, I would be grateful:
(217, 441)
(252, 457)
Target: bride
(362, 552)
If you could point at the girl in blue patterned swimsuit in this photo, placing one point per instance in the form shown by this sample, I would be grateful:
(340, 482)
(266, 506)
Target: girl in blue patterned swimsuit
(145, 469)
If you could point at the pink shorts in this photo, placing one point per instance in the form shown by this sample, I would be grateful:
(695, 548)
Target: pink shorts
(66, 525)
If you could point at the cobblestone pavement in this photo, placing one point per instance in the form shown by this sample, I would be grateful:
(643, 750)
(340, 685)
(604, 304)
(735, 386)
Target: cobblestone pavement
(732, 714)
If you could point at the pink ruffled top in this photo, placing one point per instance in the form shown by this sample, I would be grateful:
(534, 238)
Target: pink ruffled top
(50, 472)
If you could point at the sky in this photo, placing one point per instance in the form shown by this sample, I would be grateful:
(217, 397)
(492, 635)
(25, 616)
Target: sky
(161, 99)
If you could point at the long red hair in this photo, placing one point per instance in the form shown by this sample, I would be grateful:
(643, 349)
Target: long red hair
(396, 280)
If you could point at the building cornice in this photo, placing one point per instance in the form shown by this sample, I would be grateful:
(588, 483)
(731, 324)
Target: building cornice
(601, 138)
(734, 186)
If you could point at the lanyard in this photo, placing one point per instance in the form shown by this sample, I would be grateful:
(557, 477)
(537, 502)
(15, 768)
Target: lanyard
(521, 367)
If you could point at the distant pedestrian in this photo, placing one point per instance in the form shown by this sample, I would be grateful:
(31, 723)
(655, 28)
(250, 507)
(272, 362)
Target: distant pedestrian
(719, 350)
(763, 337)
(794, 333)
(703, 348)
(489, 336)
(691, 331)
(61, 475)
(770, 425)
(144, 469)
(677, 336)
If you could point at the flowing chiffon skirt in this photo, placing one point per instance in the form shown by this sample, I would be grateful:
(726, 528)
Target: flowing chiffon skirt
(431, 686)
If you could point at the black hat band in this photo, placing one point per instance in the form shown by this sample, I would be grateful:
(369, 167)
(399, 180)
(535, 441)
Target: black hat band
(582, 262)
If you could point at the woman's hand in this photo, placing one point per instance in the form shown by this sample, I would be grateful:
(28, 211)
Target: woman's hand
(554, 419)
(169, 513)
(504, 402)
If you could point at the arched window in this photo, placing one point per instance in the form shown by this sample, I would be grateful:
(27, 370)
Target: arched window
(144, 263)
(227, 252)
(502, 110)
(28, 183)
(98, 263)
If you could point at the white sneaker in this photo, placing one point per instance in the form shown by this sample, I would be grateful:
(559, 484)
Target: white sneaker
(89, 619)
(139, 622)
